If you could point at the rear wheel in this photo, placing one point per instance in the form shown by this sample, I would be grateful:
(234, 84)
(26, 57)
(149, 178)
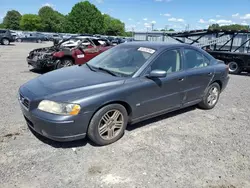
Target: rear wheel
(234, 67)
(108, 124)
(211, 97)
(65, 62)
(5, 41)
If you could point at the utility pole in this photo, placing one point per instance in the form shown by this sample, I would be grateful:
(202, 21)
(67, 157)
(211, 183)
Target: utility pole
(166, 27)
(187, 27)
(152, 26)
(133, 30)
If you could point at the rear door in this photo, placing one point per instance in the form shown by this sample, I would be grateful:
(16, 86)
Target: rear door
(199, 73)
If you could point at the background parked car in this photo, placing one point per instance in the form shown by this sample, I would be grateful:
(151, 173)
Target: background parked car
(55, 37)
(32, 37)
(6, 37)
(117, 41)
(75, 50)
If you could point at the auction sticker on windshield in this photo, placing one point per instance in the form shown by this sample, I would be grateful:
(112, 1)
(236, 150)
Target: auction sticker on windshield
(148, 50)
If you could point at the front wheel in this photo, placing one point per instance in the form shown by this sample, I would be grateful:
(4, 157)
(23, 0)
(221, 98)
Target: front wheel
(108, 124)
(65, 62)
(211, 97)
(5, 41)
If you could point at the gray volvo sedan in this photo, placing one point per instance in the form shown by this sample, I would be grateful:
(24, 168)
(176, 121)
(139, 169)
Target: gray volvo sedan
(124, 85)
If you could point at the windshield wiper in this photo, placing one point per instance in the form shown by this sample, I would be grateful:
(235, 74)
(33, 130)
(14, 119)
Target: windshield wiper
(106, 70)
(90, 67)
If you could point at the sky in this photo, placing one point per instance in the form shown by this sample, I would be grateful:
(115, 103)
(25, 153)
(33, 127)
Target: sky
(143, 15)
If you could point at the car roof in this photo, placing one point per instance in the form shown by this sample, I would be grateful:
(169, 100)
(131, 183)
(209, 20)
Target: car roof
(154, 45)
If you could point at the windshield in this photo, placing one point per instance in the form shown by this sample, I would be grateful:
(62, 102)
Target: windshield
(122, 60)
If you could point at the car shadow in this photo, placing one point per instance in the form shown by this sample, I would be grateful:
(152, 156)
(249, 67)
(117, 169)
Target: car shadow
(244, 74)
(85, 141)
(11, 44)
(39, 71)
(159, 118)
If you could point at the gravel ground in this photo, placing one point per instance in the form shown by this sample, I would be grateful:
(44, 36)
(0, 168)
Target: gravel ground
(189, 148)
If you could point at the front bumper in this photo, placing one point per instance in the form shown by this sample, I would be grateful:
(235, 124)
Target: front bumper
(49, 125)
(40, 64)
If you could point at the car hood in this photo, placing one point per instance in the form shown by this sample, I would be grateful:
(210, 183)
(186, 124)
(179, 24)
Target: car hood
(69, 82)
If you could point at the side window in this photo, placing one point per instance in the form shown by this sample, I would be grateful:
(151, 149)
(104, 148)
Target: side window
(195, 59)
(2, 31)
(169, 61)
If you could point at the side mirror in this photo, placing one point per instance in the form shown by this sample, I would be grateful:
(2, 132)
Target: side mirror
(157, 74)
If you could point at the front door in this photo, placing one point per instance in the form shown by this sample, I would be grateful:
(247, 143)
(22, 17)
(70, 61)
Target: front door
(162, 94)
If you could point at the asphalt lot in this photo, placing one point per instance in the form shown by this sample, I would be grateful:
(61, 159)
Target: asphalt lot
(189, 148)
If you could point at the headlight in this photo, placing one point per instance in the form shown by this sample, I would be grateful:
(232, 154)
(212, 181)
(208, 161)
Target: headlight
(59, 108)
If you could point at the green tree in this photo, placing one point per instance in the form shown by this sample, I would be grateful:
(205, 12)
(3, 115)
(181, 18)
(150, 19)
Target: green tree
(85, 18)
(128, 34)
(229, 27)
(167, 29)
(31, 22)
(12, 20)
(52, 21)
(235, 27)
(214, 27)
(113, 26)
(1, 26)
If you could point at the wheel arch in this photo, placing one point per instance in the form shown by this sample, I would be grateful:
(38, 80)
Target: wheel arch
(67, 57)
(123, 103)
(218, 82)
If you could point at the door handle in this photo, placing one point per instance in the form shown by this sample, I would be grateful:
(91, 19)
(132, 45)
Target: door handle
(210, 73)
(181, 79)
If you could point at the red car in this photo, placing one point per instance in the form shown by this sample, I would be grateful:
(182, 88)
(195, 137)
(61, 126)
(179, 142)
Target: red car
(75, 50)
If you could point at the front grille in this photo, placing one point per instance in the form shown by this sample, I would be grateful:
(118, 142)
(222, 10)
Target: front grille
(24, 101)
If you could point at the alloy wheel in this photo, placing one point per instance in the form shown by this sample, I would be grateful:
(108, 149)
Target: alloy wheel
(110, 124)
(64, 63)
(67, 63)
(6, 42)
(213, 96)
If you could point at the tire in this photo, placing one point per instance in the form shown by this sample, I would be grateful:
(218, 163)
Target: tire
(211, 97)
(19, 40)
(39, 41)
(5, 41)
(234, 67)
(65, 62)
(102, 133)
